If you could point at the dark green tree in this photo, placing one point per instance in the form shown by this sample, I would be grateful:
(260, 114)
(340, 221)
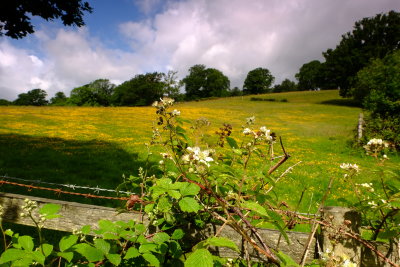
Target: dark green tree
(377, 86)
(59, 99)
(235, 91)
(96, 93)
(204, 82)
(285, 86)
(5, 102)
(171, 84)
(258, 81)
(309, 76)
(371, 38)
(15, 15)
(34, 97)
(141, 90)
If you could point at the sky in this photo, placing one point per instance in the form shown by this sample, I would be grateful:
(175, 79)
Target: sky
(123, 38)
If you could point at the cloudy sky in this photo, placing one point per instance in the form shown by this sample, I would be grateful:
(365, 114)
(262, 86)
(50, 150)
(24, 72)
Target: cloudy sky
(123, 38)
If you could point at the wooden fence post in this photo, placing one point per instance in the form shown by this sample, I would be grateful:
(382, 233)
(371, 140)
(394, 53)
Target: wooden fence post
(341, 218)
(360, 127)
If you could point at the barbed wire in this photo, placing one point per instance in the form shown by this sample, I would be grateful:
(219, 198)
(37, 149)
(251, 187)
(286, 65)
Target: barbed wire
(96, 189)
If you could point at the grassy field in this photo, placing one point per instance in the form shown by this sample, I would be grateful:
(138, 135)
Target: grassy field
(96, 146)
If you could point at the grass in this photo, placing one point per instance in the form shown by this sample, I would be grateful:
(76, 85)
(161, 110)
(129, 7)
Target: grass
(96, 146)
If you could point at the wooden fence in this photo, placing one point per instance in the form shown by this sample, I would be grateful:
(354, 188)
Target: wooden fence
(76, 215)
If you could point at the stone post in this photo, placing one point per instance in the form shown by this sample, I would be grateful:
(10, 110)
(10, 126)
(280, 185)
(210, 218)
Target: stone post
(346, 219)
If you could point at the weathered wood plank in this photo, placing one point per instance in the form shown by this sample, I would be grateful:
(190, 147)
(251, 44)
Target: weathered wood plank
(76, 215)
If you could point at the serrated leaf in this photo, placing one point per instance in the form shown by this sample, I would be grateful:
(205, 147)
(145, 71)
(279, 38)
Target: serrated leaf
(139, 229)
(89, 252)
(149, 208)
(11, 254)
(132, 253)
(102, 245)
(232, 142)
(200, 258)
(174, 194)
(189, 189)
(26, 242)
(47, 249)
(67, 241)
(175, 249)
(49, 209)
(222, 242)
(286, 260)
(164, 204)
(151, 259)
(178, 234)
(38, 256)
(66, 255)
(9, 232)
(254, 206)
(161, 237)
(115, 259)
(188, 204)
(148, 247)
(106, 225)
(86, 229)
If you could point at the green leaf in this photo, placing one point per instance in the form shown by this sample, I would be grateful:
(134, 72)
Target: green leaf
(254, 206)
(26, 242)
(222, 242)
(49, 209)
(164, 204)
(286, 261)
(89, 252)
(148, 247)
(189, 189)
(11, 254)
(161, 237)
(107, 225)
(102, 245)
(139, 229)
(188, 204)
(9, 232)
(200, 258)
(132, 253)
(178, 234)
(179, 129)
(151, 259)
(47, 249)
(38, 256)
(86, 229)
(175, 249)
(232, 142)
(174, 194)
(115, 259)
(67, 241)
(66, 255)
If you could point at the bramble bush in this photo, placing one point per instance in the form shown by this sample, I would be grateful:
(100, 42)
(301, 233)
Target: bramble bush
(197, 182)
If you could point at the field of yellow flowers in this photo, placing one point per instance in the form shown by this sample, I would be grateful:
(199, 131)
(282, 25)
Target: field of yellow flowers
(96, 146)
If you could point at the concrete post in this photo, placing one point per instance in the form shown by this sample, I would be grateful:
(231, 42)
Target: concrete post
(332, 240)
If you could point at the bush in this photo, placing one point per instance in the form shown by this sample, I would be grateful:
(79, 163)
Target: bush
(387, 128)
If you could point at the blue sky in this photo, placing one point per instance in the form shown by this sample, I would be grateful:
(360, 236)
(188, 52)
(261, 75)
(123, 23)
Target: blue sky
(123, 38)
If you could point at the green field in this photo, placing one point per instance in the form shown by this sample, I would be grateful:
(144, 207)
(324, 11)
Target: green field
(95, 146)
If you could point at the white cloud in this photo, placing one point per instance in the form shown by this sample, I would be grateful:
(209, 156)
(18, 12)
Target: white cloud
(234, 36)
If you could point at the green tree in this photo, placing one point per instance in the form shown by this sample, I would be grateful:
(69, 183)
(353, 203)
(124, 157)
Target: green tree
(96, 93)
(34, 97)
(377, 86)
(309, 75)
(258, 81)
(5, 102)
(171, 84)
(371, 38)
(15, 15)
(235, 91)
(285, 86)
(141, 90)
(59, 99)
(204, 82)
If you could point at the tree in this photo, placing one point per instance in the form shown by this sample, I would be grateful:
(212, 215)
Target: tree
(377, 86)
(171, 84)
(59, 99)
(34, 97)
(96, 93)
(286, 86)
(371, 38)
(141, 90)
(5, 102)
(236, 91)
(258, 81)
(15, 15)
(204, 82)
(309, 75)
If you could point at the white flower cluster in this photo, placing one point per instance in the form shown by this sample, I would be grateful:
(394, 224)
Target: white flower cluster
(260, 134)
(164, 102)
(197, 156)
(175, 113)
(375, 145)
(350, 167)
(250, 120)
(28, 207)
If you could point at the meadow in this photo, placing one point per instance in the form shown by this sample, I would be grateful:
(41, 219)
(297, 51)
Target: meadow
(95, 146)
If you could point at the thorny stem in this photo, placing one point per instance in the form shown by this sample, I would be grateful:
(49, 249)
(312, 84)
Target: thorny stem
(4, 235)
